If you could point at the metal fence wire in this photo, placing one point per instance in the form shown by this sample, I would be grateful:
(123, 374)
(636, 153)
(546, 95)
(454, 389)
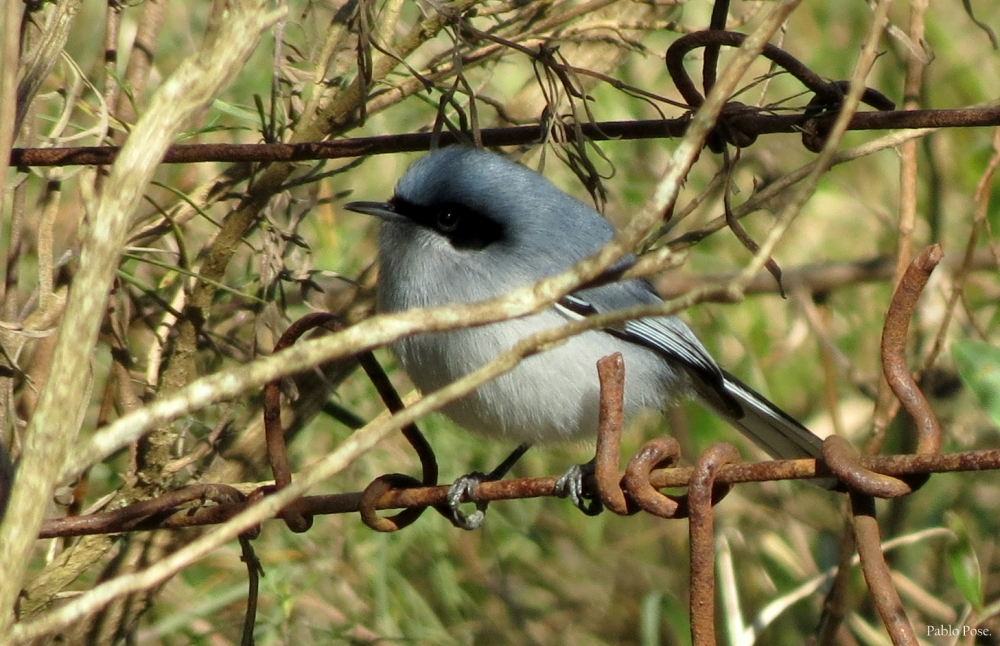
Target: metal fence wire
(650, 469)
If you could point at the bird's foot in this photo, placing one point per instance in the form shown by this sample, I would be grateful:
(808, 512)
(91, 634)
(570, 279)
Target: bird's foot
(573, 485)
(462, 487)
(466, 487)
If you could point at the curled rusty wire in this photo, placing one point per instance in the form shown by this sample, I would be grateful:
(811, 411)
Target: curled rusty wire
(368, 507)
(828, 96)
(296, 516)
(428, 461)
(658, 453)
(635, 491)
(865, 484)
(841, 457)
(632, 492)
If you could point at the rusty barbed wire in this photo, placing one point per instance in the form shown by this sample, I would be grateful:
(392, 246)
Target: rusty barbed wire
(864, 484)
(150, 518)
(752, 120)
(840, 456)
(638, 489)
(297, 518)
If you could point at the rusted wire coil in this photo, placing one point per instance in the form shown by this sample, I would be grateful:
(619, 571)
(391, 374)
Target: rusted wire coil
(729, 128)
(159, 513)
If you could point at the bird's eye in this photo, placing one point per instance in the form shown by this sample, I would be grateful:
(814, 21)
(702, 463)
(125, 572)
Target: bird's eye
(447, 220)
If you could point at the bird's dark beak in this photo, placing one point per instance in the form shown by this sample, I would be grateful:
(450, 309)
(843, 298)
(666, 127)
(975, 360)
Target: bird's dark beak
(384, 210)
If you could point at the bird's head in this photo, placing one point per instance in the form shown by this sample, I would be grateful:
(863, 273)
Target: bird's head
(500, 224)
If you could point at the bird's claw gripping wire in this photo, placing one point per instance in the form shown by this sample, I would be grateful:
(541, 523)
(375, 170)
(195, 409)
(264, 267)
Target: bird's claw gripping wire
(574, 485)
(464, 489)
(460, 489)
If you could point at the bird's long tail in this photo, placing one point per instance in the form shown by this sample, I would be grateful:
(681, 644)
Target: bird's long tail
(768, 426)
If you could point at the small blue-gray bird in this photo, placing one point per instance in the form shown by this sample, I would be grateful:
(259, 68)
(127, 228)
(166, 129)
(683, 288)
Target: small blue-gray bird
(466, 225)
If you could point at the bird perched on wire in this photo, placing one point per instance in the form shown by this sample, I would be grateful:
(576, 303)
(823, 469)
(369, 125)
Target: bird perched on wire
(466, 225)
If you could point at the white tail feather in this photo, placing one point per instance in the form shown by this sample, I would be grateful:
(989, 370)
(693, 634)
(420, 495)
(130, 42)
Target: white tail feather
(768, 426)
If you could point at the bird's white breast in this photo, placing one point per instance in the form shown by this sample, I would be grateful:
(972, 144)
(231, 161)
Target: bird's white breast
(549, 396)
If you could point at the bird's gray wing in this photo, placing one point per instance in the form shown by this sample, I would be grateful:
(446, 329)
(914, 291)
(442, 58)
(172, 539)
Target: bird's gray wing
(667, 335)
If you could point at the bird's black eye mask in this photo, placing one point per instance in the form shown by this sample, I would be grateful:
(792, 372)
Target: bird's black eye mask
(465, 228)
